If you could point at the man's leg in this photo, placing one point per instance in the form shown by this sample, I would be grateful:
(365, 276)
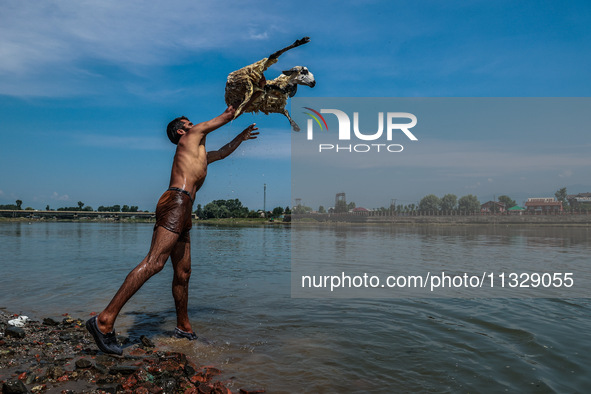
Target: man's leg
(181, 262)
(163, 242)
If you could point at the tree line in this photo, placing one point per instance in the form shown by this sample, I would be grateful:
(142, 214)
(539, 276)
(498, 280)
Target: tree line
(234, 208)
(432, 203)
(79, 208)
(219, 209)
(216, 209)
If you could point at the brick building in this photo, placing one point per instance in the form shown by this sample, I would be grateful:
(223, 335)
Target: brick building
(543, 205)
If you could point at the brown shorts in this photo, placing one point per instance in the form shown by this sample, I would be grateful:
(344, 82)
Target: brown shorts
(173, 212)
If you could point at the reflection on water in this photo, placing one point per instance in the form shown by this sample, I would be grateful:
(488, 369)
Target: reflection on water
(324, 251)
(240, 300)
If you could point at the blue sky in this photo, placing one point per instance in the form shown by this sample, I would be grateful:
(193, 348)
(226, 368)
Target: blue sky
(87, 88)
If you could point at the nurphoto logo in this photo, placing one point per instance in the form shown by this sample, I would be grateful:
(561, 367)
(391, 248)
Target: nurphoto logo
(394, 124)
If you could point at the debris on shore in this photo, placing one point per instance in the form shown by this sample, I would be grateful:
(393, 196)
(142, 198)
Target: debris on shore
(61, 356)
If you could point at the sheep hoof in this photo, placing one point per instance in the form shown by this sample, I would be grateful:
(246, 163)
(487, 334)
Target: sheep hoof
(302, 41)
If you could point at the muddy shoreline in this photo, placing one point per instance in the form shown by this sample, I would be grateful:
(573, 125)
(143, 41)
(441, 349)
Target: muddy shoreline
(58, 355)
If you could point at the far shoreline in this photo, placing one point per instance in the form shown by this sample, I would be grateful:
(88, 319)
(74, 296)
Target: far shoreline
(577, 221)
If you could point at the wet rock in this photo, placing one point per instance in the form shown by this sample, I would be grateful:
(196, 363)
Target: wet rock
(30, 378)
(54, 372)
(65, 337)
(62, 356)
(16, 332)
(189, 370)
(14, 386)
(168, 385)
(146, 341)
(100, 368)
(48, 321)
(251, 391)
(123, 369)
(83, 363)
(105, 359)
(111, 390)
(6, 352)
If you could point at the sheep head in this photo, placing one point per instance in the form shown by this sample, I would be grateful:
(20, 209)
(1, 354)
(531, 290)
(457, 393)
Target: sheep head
(299, 75)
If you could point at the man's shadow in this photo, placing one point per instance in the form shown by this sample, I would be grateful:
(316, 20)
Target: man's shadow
(160, 323)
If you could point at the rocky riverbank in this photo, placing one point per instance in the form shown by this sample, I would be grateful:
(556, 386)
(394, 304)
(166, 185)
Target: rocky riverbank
(59, 356)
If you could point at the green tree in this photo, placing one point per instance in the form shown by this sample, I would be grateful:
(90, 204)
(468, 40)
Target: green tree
(448, 202)
(19, 204)
(561, 196)
(80, 205)
(199, 212)
(469, 203)
(47, 207)
(301, 209)
(321, 209)
(351, 206)
(287, 210)
(277, 211)
(508, 201)
(429, 203)
(341, 206)
(212, 210)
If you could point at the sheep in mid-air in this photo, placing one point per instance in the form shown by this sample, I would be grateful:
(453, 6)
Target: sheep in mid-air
(248, 90)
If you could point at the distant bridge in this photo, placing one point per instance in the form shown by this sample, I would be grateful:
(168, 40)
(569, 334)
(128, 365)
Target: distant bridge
(74, 214)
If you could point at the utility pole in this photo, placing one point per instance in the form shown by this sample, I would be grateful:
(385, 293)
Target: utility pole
(265, 200)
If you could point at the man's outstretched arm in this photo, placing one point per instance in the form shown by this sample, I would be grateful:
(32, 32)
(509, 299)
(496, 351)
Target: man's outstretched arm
(226, 150)
(215, 123)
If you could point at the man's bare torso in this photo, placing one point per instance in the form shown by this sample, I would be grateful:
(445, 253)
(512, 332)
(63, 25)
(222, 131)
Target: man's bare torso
(190, 160)
(189, 167)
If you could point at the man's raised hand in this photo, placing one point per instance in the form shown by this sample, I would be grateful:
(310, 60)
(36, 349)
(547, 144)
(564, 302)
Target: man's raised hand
(228, 114)
(248, 133)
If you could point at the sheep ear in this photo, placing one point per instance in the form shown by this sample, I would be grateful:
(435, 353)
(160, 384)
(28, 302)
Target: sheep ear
(288, 72)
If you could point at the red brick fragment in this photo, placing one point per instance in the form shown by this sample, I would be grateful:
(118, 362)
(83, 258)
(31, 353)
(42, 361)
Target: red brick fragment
(198, 378)
(129, 383)
(137, 352)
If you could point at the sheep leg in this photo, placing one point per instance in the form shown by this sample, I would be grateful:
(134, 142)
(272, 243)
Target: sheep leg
(297, 43)
(246, 104)
(294, 125)
(247, 99)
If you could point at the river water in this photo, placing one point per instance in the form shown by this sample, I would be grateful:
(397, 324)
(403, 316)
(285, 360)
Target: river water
(262, 337)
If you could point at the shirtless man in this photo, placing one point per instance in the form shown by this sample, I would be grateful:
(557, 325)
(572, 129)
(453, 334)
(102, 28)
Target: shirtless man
(173, 222)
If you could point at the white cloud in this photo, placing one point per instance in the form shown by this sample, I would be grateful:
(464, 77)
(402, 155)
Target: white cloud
(38, 40)
(566, 174)
(34, 34)
(58, 197)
